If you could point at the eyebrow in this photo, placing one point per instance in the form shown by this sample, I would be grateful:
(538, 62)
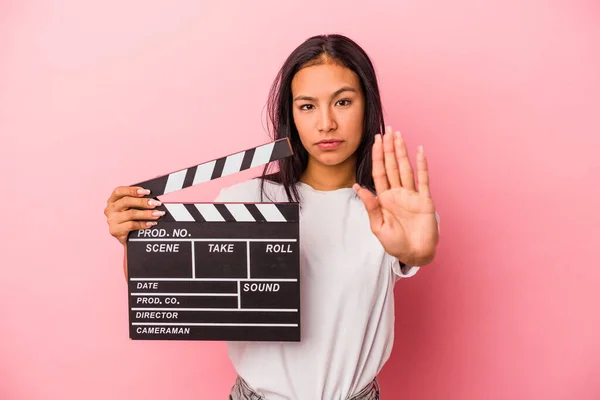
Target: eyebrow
(337, 92)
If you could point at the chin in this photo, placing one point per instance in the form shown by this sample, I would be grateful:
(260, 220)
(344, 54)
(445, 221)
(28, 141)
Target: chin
(331, 160)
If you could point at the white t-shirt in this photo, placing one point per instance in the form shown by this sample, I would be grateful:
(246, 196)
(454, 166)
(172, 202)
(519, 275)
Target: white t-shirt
(347, 301)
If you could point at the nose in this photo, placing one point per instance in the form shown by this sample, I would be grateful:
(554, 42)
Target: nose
(326, 121)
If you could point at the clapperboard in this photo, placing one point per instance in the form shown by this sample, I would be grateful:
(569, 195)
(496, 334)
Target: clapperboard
(216, 271)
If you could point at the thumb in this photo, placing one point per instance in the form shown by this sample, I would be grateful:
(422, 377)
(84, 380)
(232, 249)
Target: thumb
(372, 205)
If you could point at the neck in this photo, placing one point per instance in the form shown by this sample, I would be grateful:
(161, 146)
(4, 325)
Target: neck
(325, 177)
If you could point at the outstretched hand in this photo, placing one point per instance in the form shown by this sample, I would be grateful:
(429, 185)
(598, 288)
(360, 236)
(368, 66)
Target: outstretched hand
(402, 217)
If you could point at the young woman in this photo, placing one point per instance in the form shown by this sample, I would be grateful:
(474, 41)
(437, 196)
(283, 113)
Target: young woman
(367, 220)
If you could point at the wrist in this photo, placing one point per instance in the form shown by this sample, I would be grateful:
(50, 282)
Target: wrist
(414, 259)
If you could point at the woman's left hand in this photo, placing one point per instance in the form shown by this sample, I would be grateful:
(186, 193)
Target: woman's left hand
(402, 217)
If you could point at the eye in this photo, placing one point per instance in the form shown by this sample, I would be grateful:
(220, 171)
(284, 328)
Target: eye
(304, 106)
(345, 102)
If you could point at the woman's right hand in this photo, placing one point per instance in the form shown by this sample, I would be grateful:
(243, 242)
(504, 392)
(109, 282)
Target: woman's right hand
(127, 210)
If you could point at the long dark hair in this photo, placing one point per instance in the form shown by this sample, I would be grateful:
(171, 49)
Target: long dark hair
(316, 50)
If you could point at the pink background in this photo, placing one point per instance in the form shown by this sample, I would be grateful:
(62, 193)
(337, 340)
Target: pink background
(504, 96)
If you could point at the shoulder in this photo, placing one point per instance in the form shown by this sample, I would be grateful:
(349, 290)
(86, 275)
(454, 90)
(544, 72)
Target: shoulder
(247, 191)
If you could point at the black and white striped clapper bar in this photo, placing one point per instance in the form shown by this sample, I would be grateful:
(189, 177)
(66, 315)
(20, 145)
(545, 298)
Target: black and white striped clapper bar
(216, 271)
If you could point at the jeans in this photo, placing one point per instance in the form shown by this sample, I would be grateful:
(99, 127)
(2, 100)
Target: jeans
(242, 391)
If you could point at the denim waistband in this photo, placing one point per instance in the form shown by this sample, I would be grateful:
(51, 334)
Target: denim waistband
(242, 391)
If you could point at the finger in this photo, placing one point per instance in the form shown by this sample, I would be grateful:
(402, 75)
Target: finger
(379, 176)
(122, 191)
(136, 215)
(127, 202)
(137, 225)
(390, 160)
(372, 206)
(406, 171)
(122, 230)
(423, 173)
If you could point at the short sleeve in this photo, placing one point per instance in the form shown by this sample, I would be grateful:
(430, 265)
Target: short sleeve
(403, 271)
(406, 271)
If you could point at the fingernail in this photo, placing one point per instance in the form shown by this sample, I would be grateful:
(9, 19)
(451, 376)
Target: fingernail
(388, 129)
(154, 203)
(421, 148)
(356, 187)
(151, 223)
(158, 213)
(143, 191)
(397, 134)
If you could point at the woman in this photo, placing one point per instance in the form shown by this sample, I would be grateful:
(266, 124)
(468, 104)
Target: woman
(365, 223)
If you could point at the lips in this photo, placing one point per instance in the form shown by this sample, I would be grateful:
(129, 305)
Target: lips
(329, 141)
(329, 144)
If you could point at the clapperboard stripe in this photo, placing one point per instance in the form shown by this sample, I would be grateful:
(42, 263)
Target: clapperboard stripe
(211, 213)
(190, 176)
(231, 212)
(218, 168)
(248, 158)
(240, 212)
(224, 213)
(203, 172)
(253, 210)
(195, 213)
(178, 212)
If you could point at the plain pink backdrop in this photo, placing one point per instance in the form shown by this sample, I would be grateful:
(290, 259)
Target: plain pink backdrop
(503, 95)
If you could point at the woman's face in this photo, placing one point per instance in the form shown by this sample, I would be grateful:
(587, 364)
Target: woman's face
(328, 110)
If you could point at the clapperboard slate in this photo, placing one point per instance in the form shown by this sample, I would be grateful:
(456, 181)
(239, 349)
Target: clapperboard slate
(216, 271)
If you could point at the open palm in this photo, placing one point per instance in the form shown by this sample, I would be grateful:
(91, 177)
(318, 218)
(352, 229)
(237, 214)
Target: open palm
(402, 217)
